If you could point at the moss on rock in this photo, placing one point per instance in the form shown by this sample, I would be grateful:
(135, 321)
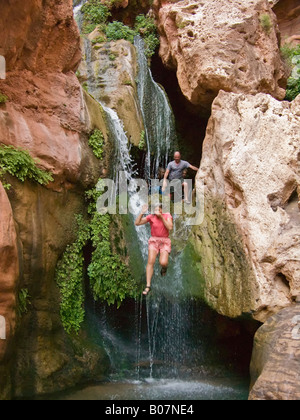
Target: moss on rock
(225, 267)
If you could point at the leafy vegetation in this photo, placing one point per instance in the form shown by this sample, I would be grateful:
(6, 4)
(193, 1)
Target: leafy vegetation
(117, 30)
(145, 26)
(266, 23)
(99, 40)
(70, 279)
(19, 163)
(23, 302)
(97, 14)
(110, 279)
(128, 82)
(96, 142)
(3, 98)
(292, 57)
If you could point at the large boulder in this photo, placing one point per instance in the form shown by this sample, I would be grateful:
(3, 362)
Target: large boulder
(276, 358)
(212, 45)
(249, 240)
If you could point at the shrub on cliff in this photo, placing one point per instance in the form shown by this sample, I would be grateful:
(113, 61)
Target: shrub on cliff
(20, 164)
(110, 279)
(96, 142)
(292, 56)
(145, 27)
(117, 30)
(3, 99)
(70, 279)
(266, 23)
(95, 13)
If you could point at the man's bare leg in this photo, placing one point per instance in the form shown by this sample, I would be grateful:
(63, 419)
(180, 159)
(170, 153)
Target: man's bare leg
(150, 269)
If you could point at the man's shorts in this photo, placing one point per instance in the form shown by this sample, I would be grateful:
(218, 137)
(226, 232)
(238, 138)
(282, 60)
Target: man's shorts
(160, 244)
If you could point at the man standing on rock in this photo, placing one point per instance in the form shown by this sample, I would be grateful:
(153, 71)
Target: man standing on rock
(175, 170)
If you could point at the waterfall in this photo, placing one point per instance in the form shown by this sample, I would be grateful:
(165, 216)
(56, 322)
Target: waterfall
(77, 11)
(122, 161)
(167, 334)
(159, 122)
(166, 310)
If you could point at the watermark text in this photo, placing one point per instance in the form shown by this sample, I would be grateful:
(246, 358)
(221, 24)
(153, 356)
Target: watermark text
(2, 67)
(2, 328)
(123, 197)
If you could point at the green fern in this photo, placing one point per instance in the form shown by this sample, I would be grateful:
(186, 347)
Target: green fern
(19, 163)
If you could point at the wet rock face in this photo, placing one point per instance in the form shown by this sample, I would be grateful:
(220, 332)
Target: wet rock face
(110, 71)
(288, 15)
(276, 358)
(230, 45)
(249, 241)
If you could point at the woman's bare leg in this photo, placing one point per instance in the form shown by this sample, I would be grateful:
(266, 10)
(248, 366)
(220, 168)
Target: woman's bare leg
(164, 261)
(150, 266)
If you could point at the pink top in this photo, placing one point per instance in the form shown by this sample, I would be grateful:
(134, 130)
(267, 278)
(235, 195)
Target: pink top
(158, 229)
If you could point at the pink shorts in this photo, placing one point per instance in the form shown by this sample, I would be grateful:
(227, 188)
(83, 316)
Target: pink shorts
(160, 244)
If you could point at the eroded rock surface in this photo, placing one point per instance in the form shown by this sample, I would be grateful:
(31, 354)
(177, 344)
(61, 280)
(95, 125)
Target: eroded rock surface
(249, 241)
(276, 358)
(110, 71)
(221, 45)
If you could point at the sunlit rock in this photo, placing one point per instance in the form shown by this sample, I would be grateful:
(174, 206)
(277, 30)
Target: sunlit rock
(229, 45)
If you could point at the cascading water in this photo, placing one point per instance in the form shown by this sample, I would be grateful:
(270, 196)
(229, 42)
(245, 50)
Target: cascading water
(167, 315)
(161, 337)
(77, 11)
(160, 132)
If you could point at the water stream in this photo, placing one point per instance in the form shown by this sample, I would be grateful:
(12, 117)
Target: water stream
(159, 347)
(160, 131)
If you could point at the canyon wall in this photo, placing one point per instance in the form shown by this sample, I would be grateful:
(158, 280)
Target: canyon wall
(48, 114)
(249, 239)
(229, 68)
(229, 54)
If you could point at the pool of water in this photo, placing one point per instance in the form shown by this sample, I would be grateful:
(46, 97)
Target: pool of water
(162, 389)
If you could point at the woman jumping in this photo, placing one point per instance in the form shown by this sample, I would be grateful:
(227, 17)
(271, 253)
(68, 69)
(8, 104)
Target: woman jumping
(159, 243)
